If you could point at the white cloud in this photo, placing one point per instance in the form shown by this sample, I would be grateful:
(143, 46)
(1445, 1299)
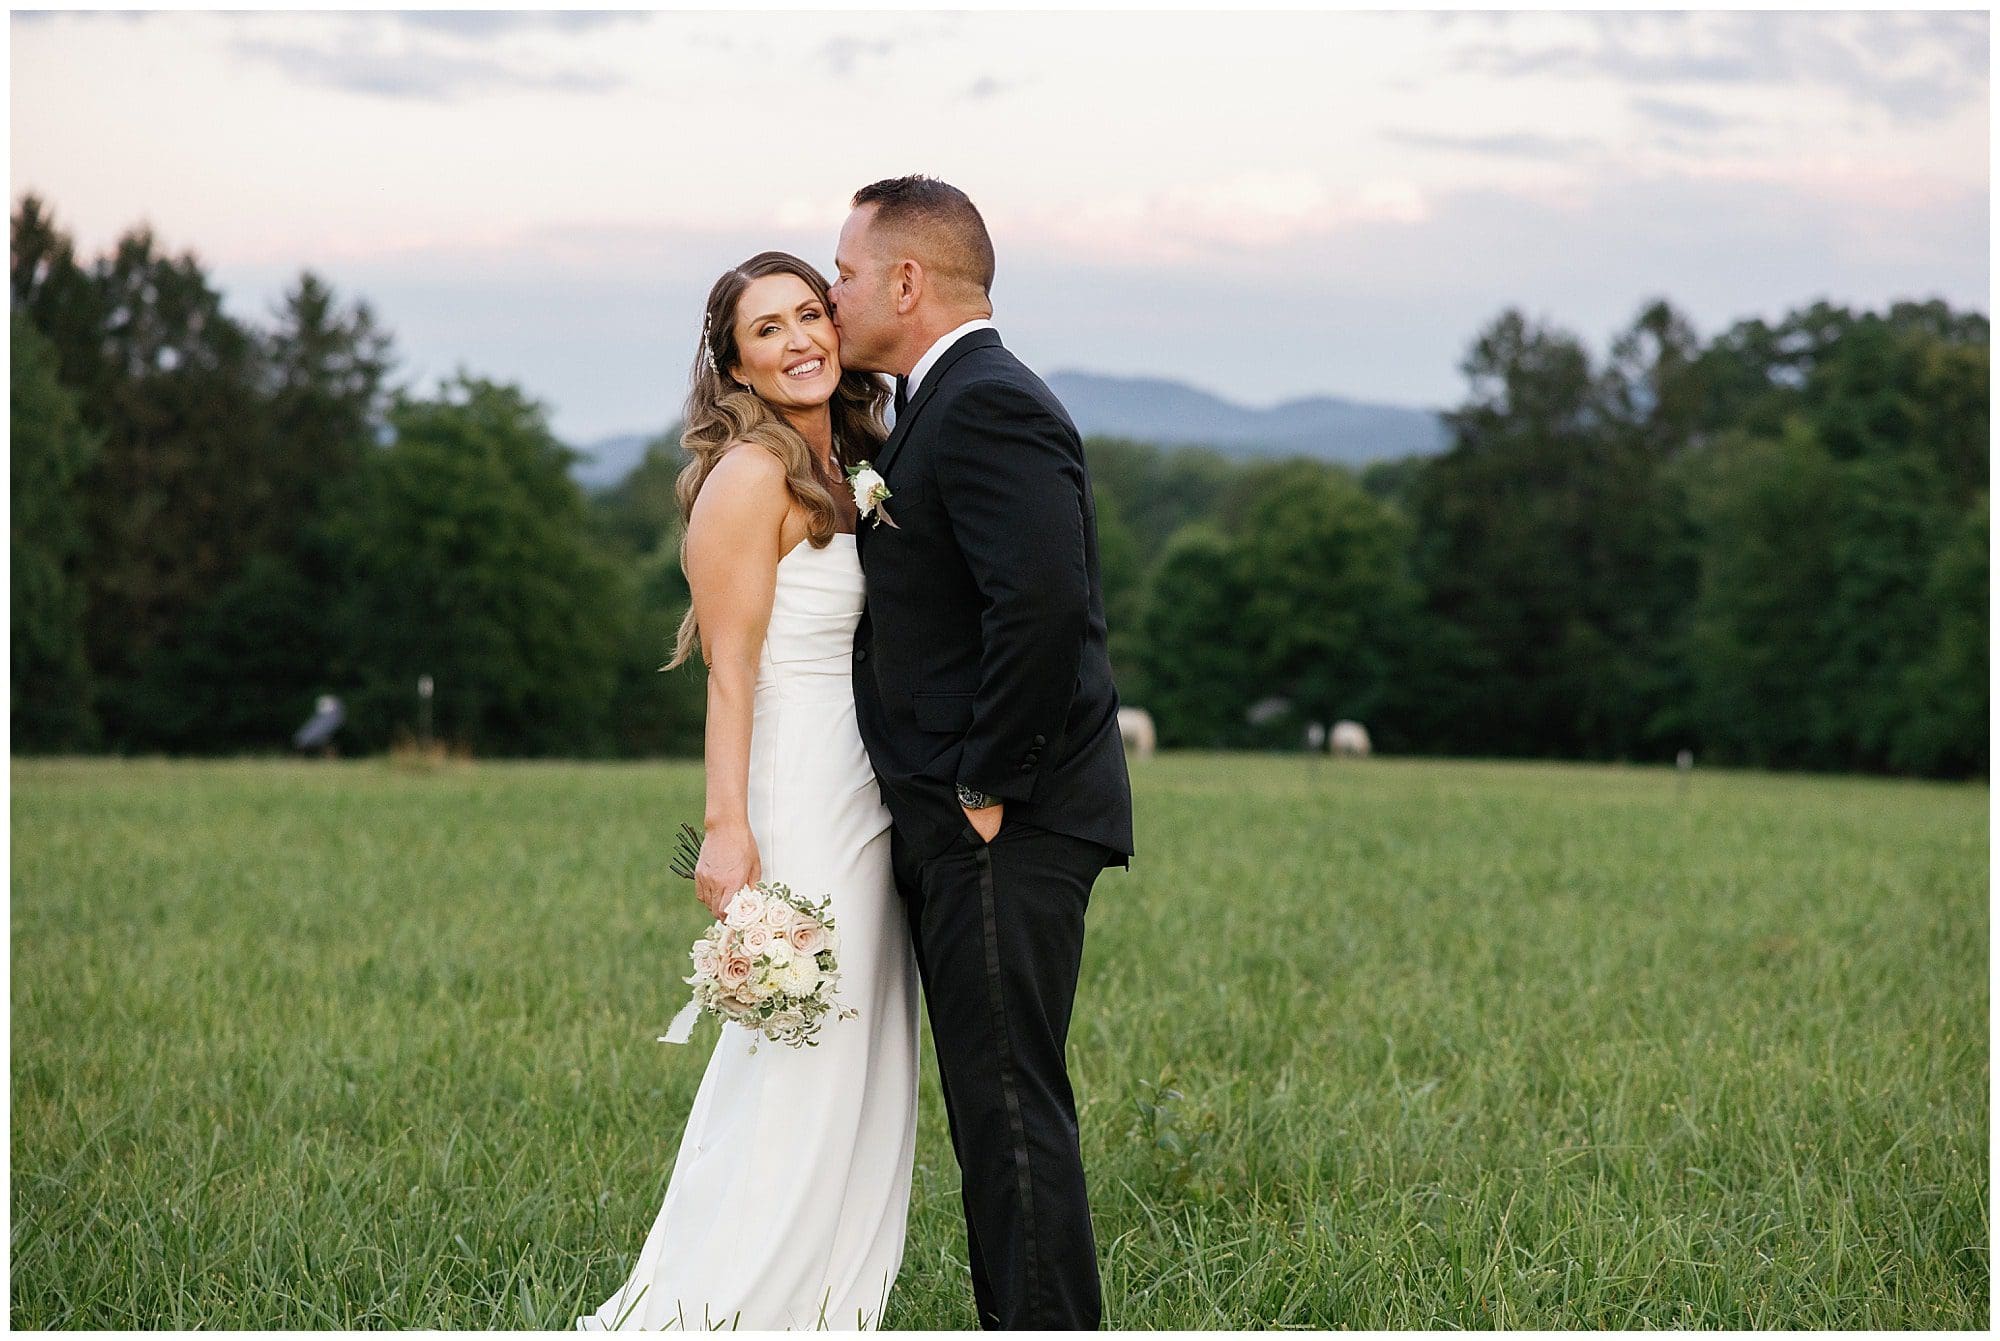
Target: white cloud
(1204, 222)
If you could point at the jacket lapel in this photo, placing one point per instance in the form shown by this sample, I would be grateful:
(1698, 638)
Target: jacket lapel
(985, 339)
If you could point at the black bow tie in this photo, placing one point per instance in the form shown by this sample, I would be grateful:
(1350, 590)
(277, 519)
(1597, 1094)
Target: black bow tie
(902, 395)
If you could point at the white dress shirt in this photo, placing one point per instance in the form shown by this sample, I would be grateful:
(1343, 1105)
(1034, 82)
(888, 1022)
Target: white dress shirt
(936, 351)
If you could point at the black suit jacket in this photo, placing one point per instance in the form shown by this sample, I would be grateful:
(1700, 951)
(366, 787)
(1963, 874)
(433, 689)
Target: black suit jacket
(980, 657)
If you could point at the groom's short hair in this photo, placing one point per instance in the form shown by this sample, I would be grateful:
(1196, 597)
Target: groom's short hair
(940, 224)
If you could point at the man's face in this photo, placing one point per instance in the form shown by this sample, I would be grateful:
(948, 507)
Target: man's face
(864, 305)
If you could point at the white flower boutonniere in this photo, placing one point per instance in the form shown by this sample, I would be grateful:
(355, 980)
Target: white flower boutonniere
(869, 491)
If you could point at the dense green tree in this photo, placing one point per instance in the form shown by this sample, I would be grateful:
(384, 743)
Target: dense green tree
(62, 299)
(1653, 386)
(1950, 414)
(1767, 509)
(1839, 602)
(1945, 722)
(1505, 521)
(632, 516)
(1391, 481)
(1553, 538)
(657, 711)
(470, 560)
(1913, 374)
(1197, 665)
(48, 452)
(1330, 600)
(1122, 569)
(247, 664)
(1648, 561)
(326, 369)
(1893, 516)
(244, 672)
(1823, 542)
(1440, 680)
(178, 499)
(1158, 492)
(217, 447)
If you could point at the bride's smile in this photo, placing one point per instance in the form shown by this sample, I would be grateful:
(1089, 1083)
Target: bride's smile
(788, 348)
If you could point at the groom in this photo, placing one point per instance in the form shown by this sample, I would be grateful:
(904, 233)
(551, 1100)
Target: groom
(983, 693)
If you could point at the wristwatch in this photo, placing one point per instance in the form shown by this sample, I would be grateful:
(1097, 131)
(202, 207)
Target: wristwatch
(972, 800)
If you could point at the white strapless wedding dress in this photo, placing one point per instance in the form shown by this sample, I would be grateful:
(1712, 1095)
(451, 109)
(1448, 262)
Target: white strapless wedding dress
(789, 1199)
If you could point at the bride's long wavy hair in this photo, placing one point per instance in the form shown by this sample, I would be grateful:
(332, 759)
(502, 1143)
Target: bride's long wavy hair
(721, 412)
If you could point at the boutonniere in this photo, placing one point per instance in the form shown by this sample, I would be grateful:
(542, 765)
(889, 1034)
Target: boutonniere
(869, 491)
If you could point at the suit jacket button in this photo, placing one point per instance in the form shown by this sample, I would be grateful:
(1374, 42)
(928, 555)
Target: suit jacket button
(1027, 768)
(861, 654)
(1041, 740)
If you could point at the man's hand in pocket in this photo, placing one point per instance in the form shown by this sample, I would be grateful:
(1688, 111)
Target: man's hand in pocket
(985, 822)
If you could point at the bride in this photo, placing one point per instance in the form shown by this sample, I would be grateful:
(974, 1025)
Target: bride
(789, 1198)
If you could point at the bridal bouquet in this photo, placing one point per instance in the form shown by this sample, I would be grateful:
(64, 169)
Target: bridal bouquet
(770, 963)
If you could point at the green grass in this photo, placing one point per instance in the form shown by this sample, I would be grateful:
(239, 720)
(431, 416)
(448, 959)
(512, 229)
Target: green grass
(1397, 1044)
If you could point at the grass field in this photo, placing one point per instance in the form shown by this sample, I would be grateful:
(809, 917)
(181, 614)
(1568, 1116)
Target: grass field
(1394, 1044)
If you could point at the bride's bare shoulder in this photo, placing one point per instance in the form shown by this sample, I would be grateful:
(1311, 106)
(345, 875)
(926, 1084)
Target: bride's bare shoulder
(746, 478)
(746, 463)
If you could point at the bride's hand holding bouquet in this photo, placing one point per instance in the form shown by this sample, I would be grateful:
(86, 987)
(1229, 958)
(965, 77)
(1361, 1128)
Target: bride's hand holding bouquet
(728, 862)
(770, 961)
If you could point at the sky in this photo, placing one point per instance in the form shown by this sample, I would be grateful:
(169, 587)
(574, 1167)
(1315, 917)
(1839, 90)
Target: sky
(1265, 206)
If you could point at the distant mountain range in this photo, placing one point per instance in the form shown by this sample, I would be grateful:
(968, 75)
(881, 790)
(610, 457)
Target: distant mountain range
(609, 460)
(1172, 414)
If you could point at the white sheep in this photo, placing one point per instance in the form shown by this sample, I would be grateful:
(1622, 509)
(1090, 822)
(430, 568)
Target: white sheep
(1350, 738)
(1135, 728)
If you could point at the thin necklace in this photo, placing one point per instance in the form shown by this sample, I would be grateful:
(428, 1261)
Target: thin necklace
(830, 477)
(828, 470)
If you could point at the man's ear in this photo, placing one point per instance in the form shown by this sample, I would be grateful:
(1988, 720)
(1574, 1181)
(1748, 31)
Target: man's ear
(909, 286)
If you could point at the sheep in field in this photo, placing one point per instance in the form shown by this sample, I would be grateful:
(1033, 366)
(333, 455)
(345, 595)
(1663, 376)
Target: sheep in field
(1351, 739)
(1135, 728)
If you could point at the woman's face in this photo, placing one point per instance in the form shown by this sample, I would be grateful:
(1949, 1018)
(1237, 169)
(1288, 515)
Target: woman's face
(786, 345)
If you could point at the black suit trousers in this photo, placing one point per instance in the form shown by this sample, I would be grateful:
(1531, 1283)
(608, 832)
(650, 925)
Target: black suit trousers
(998, 930)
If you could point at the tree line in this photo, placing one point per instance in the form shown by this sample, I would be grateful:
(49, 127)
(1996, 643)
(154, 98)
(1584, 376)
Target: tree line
(1768, 547)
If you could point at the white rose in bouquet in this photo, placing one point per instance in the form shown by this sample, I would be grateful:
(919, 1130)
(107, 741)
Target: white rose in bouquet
(745, 909)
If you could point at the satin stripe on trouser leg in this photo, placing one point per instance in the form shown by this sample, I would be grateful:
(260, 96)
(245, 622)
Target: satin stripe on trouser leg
(1001, 926)
(908, 886)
